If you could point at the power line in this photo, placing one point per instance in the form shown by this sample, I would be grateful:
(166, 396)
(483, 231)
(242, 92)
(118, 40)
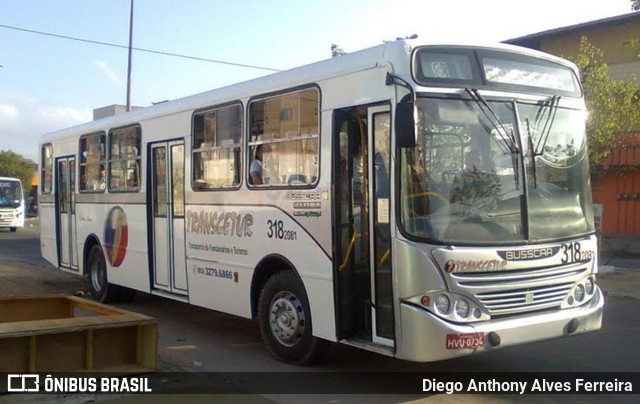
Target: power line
(113, 45)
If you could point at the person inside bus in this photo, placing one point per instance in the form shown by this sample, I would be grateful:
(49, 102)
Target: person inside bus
(419, 181)
(255, 169)
(100, 184)
(478, 182)
(6, 198)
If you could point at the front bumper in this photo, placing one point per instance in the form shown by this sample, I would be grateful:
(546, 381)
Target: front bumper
(6, 221)
(423, 335)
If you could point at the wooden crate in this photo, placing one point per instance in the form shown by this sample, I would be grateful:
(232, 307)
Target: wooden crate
(66, 333)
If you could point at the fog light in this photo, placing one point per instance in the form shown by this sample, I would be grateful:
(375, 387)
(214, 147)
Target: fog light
(579, 293)
(442, 304)
(589, 286)
(462, 308)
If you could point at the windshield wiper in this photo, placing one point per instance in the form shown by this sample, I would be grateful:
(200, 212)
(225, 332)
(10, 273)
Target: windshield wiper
(548, 124)
(508, 141)
(538, 149)
(533, 154)
(493, 118)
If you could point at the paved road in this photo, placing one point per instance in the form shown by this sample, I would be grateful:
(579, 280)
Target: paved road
(196, 340)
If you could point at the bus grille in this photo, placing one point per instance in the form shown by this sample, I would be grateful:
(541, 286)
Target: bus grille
(513, 292)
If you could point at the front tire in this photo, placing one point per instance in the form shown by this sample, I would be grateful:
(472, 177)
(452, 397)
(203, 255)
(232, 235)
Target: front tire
(285, 321)
(13, 229)
(99, 287)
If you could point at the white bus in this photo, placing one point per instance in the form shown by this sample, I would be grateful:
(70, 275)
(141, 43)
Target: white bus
(420, 201)
(11, 204)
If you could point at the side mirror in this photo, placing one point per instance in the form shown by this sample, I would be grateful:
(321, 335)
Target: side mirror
(405, 124)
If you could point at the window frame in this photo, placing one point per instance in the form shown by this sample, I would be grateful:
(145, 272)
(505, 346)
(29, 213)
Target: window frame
(199, 184)
(102, 161)
(257, 137)
(43, 169)
(137, 160)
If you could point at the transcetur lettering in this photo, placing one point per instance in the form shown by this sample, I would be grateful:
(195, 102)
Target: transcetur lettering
(474, 265)
(226, 223)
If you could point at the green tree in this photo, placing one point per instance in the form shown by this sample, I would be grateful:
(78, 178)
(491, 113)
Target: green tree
(14, 165)
(336, 51)
(613, 105)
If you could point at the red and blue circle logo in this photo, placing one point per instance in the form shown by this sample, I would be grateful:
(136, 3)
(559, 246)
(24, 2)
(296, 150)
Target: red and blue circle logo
(450, 266)
(116, 236)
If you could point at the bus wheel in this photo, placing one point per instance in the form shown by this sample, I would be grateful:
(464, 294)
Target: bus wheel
(13, 229)
(99, 287)
(285, 320)
(97, 274)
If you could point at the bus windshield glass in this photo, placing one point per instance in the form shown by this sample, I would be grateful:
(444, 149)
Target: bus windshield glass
(10, 194)
(483, 68)
(473, 177)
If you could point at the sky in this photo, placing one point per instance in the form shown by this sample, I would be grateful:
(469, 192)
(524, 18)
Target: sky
(48, 83)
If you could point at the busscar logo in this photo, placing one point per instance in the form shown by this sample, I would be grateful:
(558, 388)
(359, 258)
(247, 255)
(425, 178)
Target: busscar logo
(528, 255)
(23, 383)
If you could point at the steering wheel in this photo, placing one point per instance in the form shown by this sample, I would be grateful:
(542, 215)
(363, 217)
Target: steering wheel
(437, 195)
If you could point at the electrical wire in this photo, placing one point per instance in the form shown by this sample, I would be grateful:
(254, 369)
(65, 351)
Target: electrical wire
(113, 45)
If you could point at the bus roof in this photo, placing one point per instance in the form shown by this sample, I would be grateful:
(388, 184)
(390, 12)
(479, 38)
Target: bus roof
(397, 52)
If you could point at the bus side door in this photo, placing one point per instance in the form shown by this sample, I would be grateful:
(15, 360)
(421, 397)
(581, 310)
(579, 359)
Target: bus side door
(66, 212)
(362, 170)
(167, 197)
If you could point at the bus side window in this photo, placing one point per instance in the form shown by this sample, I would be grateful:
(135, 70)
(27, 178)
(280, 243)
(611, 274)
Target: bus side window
(217, 147)
(287, 126)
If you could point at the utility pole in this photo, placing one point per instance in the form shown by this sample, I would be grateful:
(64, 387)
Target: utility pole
(129, 64)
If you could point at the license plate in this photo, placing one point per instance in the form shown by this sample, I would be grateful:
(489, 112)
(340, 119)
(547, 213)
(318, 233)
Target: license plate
(465, 341)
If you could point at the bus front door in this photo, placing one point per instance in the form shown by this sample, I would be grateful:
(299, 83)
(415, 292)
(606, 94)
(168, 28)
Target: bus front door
(167, 194)
(362, 170)
(66, 212)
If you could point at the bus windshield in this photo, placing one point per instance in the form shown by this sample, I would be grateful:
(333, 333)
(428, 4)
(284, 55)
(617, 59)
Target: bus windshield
(496, 172)
(10, 194)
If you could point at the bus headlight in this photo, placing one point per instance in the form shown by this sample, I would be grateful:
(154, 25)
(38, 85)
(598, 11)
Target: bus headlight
(578, 293)
(462, 308)
(442, 304)
(450, 306)
(581, 293)
(589, 286)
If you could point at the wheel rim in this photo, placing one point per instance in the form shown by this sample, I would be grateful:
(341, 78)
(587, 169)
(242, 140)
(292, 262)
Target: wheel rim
(286, 318)
(98, 276)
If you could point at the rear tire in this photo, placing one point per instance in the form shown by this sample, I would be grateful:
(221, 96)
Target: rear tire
(285, 321)
(99, 287)
(13, 229)
(605, 252)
